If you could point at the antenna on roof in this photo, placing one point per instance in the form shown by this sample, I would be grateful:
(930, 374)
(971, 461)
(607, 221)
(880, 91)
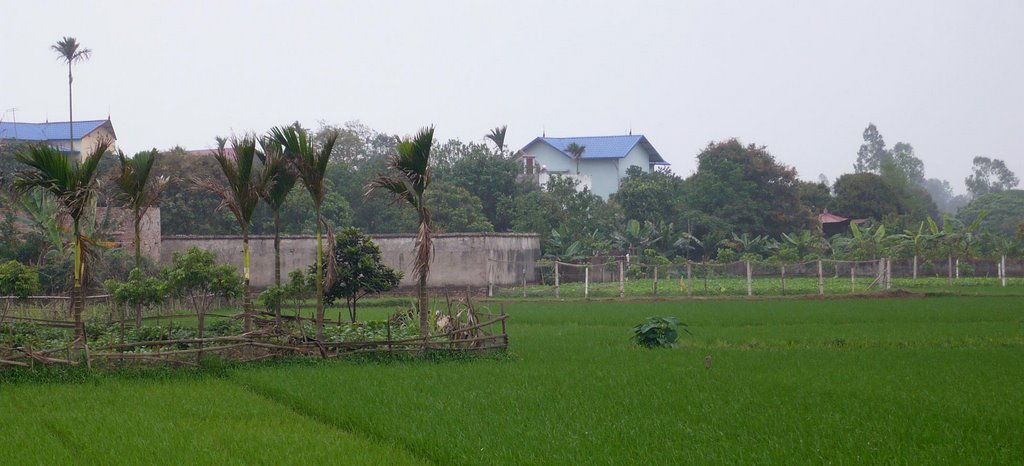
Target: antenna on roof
(631, 127)
(543, 132)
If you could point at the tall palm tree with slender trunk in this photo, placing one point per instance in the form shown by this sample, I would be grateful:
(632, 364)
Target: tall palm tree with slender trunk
(138, 191)
(311, 166)
(497, 136)
(71, 51)
(239, 192)
(576, 151)
(408, 182)
(73, 185)
(280, 176)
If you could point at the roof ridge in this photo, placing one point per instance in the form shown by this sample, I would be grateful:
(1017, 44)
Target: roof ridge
(593, 137)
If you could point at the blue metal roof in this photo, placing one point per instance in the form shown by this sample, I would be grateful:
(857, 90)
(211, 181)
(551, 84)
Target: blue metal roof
(603, 147)
(47, 131)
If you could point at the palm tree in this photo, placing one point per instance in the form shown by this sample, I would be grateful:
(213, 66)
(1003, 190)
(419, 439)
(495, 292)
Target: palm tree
(69, 50)
(311, 166)
(497, 136)
(281, 178)
(73, 185)
(239, 192)
(576, 151)
(412, 164)
(138, 195)
(137, 191)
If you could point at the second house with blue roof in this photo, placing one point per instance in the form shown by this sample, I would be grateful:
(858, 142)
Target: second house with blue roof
(602, 163)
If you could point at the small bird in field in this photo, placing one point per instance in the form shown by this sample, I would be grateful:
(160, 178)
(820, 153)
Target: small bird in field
(708, 362)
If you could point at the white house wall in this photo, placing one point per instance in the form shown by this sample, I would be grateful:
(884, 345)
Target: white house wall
(604, 174)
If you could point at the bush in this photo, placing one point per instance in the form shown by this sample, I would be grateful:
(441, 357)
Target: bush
(658, 332)
(18, 280)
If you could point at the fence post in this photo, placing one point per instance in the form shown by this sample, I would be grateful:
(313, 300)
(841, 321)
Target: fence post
(957, 268)
(622, 281)
(586, 282)
(888, 273)
(853, 277)
(655, 280)
(783, 279)
(524, 281)
(750, 284)
(490, 277)
(557, 286)
(915, 267)
(949, 270)
(689, 279)
(821, 280)
(1002, 269)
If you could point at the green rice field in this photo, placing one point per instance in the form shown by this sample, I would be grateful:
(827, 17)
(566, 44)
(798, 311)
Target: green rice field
(935, 380)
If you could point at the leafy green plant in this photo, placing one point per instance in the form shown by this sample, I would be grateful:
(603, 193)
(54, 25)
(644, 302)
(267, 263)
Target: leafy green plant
(137, 292)
(658, 332)
(196, 276)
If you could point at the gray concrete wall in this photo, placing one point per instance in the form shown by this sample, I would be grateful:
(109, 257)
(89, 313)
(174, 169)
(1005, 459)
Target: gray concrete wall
(460, 259)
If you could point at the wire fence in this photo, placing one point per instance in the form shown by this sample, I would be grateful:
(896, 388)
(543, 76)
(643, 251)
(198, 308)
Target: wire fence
(607, 277)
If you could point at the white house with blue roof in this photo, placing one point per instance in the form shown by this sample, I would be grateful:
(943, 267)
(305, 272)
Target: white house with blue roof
(86, 134)
(604, 162)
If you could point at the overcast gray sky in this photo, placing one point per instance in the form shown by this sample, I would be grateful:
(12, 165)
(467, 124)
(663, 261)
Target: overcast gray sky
(801, 77)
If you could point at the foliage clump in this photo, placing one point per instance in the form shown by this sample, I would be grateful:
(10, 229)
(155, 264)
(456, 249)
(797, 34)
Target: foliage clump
(358, 270)
(658, 332)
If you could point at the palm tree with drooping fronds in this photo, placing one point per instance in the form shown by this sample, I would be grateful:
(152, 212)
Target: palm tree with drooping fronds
(73, 185)
(139, 193)
(71, 51)
(138, 190)
(239, 191)
(408, 182)
(311, 166)
(279, 175)
(497, 136)
(576, 151)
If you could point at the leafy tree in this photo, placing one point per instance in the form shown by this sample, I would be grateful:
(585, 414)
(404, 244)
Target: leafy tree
(137, 292)
(456, 210)
(867, 195)
(805, 243)
(239, 190)
(872, 153)
(990, 175)
(195, 276)
(1005, 210)
(69, 50)
(486, 175)
(650, 197)
(815, 196)
(311, 165)
(408, 182)
(904, 161)
(16, 280)
(942, 194)
(358, 270)
(73, 186)
(746, 189)
(139, 191)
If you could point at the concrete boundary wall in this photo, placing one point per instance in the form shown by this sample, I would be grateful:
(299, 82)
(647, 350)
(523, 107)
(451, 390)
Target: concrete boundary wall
(460, 259)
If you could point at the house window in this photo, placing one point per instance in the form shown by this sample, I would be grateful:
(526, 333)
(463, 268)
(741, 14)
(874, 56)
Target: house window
(529, 166)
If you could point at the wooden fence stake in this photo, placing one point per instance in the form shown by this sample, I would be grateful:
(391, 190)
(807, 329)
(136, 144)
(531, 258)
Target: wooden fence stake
(853, 278)
(490, 278)
(524, 281)
(586, 282)
(622, 282)
(1002, 270)
(655, 280)
(558, 294)
(750, 282)
(821, 280)
(783, 279)
(689, 279)
(888, 273)
(915, 266)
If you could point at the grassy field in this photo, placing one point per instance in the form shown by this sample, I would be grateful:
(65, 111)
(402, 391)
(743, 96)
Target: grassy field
(857, 381)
